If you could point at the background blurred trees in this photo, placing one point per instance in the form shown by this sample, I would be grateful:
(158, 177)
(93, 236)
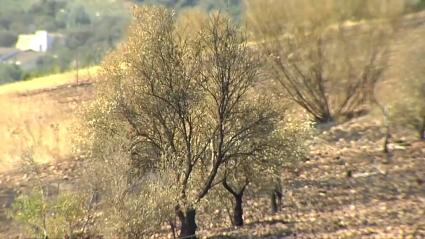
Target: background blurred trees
(82, 35)
(10, 73)
(8, 38)
(325, 58)
(90, 29)
(69, 18)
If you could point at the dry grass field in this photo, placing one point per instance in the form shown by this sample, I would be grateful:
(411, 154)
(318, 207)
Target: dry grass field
(36, 115)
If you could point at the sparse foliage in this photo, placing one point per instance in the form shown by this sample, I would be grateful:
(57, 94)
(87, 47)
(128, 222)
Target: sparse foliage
(50, 218)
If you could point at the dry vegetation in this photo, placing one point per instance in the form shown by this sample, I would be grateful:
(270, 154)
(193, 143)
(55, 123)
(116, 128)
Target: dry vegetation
(325, 58)
(37, 114)
(193, 130)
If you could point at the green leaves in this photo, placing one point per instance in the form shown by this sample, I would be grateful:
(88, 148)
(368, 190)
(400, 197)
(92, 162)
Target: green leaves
(30, 209)
(54, 217)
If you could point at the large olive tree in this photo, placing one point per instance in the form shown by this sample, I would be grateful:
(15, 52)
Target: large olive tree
(177, 105)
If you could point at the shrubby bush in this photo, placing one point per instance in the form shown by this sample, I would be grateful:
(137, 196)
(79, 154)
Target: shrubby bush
(47, 212)
(43, 217)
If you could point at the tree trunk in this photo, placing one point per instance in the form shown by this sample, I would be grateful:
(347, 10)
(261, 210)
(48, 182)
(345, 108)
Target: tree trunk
(173, 228)
(324, 119)
(238, 211)
(387, 142)
(279, 196)
(273, 202)
(238, 196)
(423, 130)
(276, 200)
(187, 223)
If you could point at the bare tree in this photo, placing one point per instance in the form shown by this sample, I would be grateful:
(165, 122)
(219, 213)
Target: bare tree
(324, 53)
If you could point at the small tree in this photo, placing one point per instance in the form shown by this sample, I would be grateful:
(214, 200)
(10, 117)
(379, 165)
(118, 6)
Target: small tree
(31, 210)
(324, 55)
(46, 216)
(172, 103)
(282, 143)
(292, 147)
(239, 173)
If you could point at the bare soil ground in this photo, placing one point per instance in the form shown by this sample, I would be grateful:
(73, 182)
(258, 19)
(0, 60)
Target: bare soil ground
(348, 188)
(39, 119)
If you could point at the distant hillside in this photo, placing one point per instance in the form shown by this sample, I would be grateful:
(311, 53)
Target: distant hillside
(85, 30)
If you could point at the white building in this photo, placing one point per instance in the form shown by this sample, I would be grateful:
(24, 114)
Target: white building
(41, 41)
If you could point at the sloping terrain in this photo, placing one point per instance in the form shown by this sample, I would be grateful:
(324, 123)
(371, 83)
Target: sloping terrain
(36, 115)
(35, 120)
(351, 189)
(348, 188)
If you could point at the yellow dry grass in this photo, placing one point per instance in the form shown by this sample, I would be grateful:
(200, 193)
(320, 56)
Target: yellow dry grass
(36, 117)
(47, 81)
